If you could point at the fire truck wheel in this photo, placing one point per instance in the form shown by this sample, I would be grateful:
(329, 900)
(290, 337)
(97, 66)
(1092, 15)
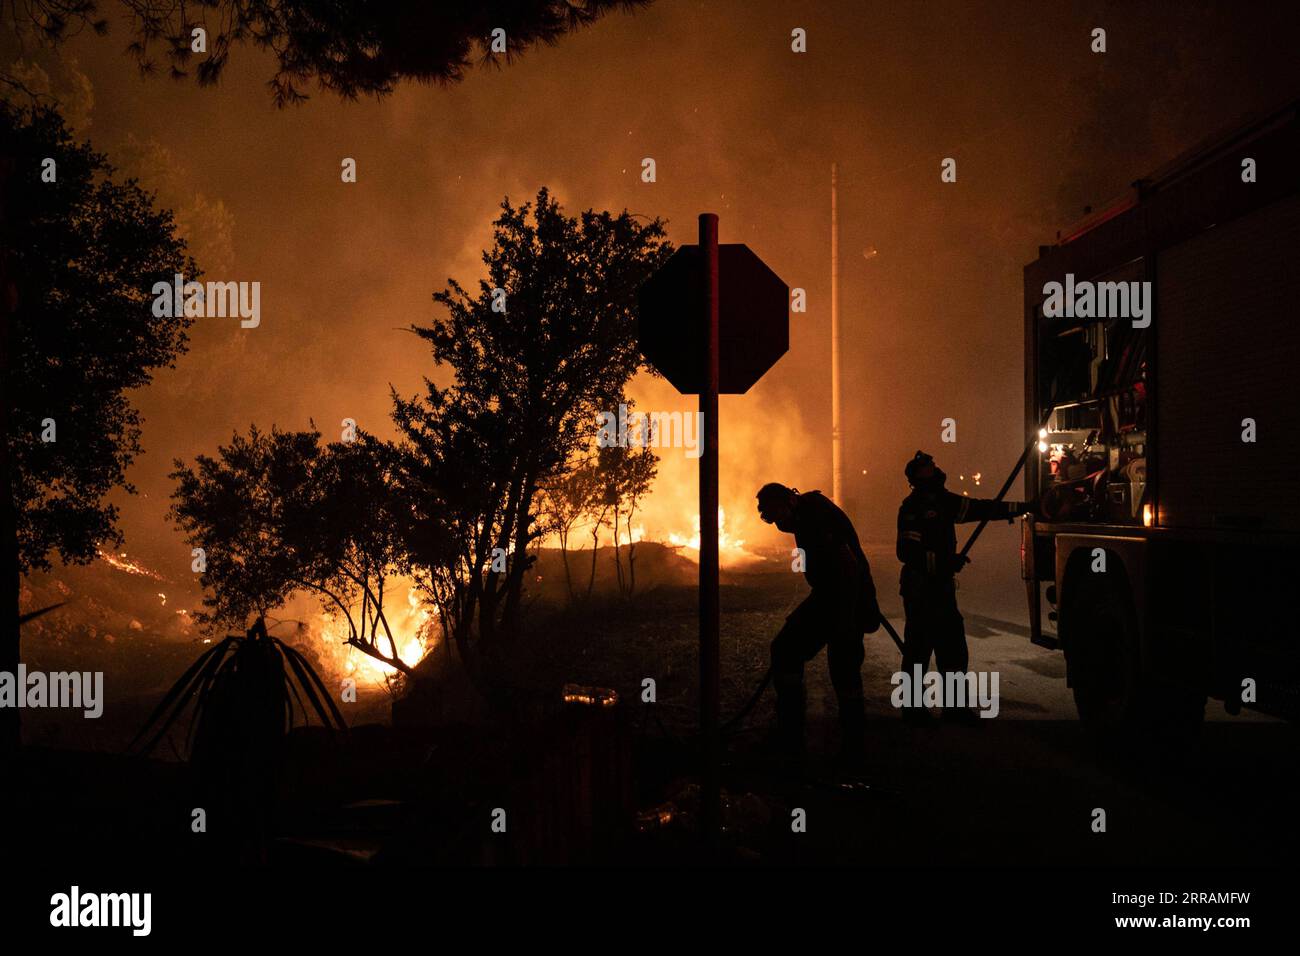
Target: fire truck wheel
(1116, 703)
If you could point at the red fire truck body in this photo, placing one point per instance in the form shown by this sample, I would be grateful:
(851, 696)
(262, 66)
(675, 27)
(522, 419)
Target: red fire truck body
(1165, 549)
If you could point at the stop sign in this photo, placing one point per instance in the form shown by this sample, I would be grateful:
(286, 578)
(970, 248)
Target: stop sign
(753, 319)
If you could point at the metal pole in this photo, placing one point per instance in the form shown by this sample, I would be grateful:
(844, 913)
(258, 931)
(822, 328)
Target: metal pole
(837, 436)
(710, 795)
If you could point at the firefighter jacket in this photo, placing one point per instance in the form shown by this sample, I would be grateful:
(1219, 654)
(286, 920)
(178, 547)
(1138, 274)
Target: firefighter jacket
(834, 564)
(927, 535)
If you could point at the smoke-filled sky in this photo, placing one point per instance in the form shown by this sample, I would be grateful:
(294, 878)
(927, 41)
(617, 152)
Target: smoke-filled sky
(737, 124)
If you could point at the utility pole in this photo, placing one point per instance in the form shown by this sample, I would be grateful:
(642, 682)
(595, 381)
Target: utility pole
(837, 434)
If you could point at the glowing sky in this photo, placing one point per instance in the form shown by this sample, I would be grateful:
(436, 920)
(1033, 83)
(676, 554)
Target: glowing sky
(738, 125)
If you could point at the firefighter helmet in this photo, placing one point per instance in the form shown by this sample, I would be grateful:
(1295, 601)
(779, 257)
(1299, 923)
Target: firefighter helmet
(919, 461)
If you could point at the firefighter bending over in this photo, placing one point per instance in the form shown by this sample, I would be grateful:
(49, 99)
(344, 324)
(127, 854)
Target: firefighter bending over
(840, 609)
(927, 546)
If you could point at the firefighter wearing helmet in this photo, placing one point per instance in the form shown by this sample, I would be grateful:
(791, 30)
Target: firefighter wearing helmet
(927, 547)
(839, 610)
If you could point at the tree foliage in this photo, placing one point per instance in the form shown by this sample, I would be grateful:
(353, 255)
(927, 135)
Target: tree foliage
(530, 376)
(80, 252)
(350, 48)
(277, 514)
(83, 253)
(250, 509)
(455, 503)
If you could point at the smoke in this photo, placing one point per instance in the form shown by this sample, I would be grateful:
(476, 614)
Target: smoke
(738, 124)
(206, 224)
(63, 85)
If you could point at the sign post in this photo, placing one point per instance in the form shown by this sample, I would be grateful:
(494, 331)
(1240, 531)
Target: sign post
(710, 792)
(713, 319)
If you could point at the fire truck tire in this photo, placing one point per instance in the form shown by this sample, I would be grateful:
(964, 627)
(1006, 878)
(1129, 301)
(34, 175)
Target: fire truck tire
(1116, 702)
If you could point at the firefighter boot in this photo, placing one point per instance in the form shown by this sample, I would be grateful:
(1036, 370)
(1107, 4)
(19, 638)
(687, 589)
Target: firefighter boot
(917, 716)
(853, 740)
(963, 716)
(787, 739)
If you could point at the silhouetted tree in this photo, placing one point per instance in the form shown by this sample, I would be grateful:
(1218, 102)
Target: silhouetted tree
(449, 458)
(598, 503)
(356, 540)
(564, 501)
(348, 47)
(81, 255)
(546, 344)
(244, 508)
(276, 514)
(626, 473)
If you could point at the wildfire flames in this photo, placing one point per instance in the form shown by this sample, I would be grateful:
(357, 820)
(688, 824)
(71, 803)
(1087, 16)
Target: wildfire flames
(123, 563)
(728, 546)
(412, 632)
(756, 448)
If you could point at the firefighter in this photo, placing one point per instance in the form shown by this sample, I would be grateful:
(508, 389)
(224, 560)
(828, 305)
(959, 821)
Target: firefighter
(927, 546)
(840, 609)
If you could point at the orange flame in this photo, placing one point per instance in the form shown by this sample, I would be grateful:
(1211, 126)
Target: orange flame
(412, 633)
(728, 547)
(122, 563)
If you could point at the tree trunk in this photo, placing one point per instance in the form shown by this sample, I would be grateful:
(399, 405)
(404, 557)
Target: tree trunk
(631, 554)
(564, 559)
(10, 568)
(460, 634)
(618, 563)
(487, 611)
(510, 614)
(595, 542)
(495, 590)
(10, 586)
(467, 602)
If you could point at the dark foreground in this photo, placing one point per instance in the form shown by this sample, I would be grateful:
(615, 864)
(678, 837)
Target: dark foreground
(586, 785)
(962, 831)
(1005, 793)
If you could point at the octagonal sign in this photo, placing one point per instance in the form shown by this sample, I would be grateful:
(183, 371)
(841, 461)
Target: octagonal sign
(753, 319)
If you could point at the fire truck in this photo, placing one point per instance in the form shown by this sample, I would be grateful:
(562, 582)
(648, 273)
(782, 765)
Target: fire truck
(1163, 554)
